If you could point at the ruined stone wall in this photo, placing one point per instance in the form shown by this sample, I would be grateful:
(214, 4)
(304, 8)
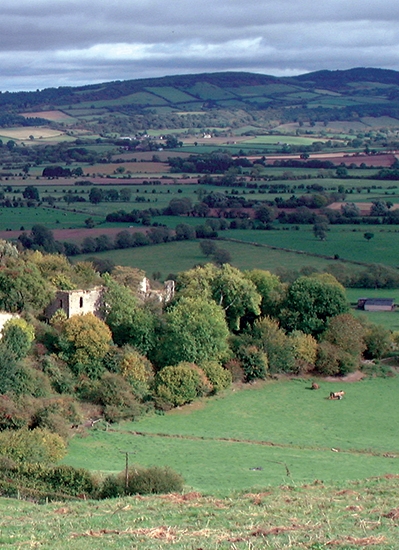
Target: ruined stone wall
(76, 302)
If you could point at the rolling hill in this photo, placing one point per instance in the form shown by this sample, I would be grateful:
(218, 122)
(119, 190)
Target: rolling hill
(322, 96)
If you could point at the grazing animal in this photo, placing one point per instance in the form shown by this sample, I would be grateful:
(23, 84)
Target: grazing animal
(337, 394)
(315, 386)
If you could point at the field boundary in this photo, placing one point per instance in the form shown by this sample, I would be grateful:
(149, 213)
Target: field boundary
(385, 454)
(303, 252)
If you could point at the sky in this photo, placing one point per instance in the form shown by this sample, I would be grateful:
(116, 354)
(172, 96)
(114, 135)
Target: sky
(52, 43)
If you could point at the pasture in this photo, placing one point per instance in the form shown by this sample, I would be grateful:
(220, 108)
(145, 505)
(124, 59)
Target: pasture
(347, 242)
(266, 434)
(13, 219)
(179, 256)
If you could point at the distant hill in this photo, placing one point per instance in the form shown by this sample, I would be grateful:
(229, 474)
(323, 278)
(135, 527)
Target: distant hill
(321, 95)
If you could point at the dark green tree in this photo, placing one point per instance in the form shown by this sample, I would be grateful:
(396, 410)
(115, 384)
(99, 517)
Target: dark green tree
(195, 331)
(310, 303)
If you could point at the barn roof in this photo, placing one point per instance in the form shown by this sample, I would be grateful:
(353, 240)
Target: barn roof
(379, 301)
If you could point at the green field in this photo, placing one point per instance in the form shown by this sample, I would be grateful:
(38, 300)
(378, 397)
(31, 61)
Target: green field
(267, 434)
(15, 218)
(345, 241)
(179, 256)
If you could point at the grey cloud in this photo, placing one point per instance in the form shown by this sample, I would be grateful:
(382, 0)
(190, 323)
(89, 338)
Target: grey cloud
(68, 42)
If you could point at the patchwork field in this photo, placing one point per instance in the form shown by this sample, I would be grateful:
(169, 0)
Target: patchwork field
(53, 116)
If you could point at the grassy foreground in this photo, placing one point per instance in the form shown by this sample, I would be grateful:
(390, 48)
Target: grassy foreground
(316, 516)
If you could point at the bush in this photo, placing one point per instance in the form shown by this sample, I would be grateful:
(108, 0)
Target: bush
(272, 340)
(12, 415)
(61, 378)
(56, 415)
(234, 366)
(333, 361)
(137, 370)
(178, 385)
(46, 481)
(114, 393)
(37, 445)
(219, 377)
(143, 481)
(378, 341)
(17, 336)
(304, 348)
(154, 480)
(254, 362)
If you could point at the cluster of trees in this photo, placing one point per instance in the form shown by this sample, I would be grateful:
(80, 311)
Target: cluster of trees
(216, 162)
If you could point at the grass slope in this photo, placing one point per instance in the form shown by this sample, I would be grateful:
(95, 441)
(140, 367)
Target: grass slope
(267, 434)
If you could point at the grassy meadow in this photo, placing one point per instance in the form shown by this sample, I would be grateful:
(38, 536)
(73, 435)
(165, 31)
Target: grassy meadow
(267, 434)
(347, 242)
(179, 256)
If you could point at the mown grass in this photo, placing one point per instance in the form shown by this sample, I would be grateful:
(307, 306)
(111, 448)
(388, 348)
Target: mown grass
(316, 516)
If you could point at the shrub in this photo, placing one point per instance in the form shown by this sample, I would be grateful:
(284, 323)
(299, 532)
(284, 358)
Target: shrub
(178, 385)
(17, 336)
(113, 392)
(153, 480)
(219, 377)
(234, 366)
(12, 415)
(254, 362)
(333, 361)
(72, 481)
(56, 415)
(378, 341)
(304, 348)
(49, 481)
(143, 481)
(86, 340)
(37, 445)
(61, 378)
(137, 370)
(270, 338)
(346, 332)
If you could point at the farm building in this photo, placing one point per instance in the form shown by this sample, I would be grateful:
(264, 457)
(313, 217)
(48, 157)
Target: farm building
(376, 304)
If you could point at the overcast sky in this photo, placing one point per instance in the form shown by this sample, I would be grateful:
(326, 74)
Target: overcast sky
(55, 43)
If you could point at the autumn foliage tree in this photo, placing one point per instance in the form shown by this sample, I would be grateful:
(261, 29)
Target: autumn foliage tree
(86, 341)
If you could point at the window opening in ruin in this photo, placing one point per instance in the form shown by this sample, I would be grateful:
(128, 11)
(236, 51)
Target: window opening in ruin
(80, 302)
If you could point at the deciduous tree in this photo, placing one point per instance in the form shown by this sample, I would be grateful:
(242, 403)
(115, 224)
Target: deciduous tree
(88, 339)
(195, 331)
(310, 303)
